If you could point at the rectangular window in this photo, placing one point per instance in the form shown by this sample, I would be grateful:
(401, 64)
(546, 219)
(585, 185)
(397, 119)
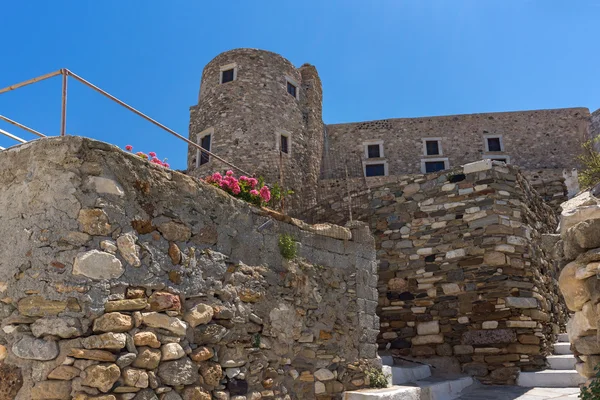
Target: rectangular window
(434, 166)
(375, 170)
(291, 89)
(494, 144)
(373, 151)
(284, 144)
(432, 147)
(205, 144)
(227, 75)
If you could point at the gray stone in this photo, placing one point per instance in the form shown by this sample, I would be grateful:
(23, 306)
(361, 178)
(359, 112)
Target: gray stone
(126, 359)
(521, 302)
(209, 334)
(128, 249)
(31, 348)
(97, 265)
(178, 372)
(63, 327)
(489, 336)
(230, 357)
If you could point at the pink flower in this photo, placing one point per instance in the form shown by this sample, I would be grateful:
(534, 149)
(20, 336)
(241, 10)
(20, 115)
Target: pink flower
(235, 188)
(265, 193)
(129, 147)
(243, 178)
(229, 173)
(152, 154)
(167, 165)
(253, 182)
(254, 192)
(143, 155)
(217, 177)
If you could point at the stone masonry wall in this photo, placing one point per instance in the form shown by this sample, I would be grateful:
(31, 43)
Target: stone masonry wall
(579, 248)
(534, 140)
(122, 280)
(463, 273)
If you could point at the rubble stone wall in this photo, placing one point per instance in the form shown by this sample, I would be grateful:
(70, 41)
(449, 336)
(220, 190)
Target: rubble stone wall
(464, 271)
(122, 280)
(580, 278)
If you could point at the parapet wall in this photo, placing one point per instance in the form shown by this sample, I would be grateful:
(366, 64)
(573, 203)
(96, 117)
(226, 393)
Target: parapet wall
(463, 274)
(123, 279)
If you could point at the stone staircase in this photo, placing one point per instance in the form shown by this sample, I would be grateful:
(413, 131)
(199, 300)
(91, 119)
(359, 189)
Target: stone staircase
(413, 381)
(562, 371)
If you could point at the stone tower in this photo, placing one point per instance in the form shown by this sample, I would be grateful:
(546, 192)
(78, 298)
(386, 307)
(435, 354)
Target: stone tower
(265, 116)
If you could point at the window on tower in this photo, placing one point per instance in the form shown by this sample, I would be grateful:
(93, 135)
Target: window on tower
(227, 76)
(291, 89)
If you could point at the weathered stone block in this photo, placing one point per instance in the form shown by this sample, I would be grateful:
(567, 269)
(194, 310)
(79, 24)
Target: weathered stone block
(489, 336)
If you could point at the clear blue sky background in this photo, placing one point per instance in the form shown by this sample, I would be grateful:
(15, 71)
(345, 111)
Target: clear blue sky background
(377, 58)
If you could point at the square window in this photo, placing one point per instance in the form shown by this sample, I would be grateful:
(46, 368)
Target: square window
(434, 166)
(499, 159)
(227, 75)
(494, 144)
(283, 145)
(373, 151)
(205, 144)
(291, 89)
(432, 147)
(375, 170)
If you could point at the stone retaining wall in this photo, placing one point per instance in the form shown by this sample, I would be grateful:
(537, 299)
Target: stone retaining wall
(579, 281)
(463, 270)
(123, 280)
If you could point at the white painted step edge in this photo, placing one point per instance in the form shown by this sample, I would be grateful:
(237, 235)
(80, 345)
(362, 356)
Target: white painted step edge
(562, 362)
(562, 348)
(391, 393)
(399, 375)
(444, 390)
(550, 378)
(563, 337)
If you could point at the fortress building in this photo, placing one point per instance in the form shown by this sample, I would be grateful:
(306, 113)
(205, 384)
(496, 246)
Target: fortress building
(260, 112)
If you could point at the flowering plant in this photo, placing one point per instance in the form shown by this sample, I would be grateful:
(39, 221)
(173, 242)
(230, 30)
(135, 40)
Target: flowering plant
(151, 156)
(249, 189)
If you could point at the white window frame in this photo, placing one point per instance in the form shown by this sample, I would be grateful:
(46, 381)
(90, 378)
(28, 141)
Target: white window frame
(496, 156)
(287, 134)
(368, 143)
(291, 80)
(486, 144)
(432, 139)
(226, 68)
(201, 135)
(372, 162)
(426, 160)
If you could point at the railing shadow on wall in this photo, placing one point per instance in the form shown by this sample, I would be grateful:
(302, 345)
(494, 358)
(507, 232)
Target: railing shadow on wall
(65, 74)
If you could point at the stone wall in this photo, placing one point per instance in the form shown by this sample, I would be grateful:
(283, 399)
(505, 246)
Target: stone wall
(463, 273)
(534, 140)
(123, 280)
(594, 127)
(579, 281)
(248, 114)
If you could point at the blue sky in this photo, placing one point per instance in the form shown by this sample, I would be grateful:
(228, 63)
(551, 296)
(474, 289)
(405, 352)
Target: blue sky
(377, 58)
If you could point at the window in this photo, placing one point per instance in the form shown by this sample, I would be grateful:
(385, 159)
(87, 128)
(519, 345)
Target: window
(227, 76)
(373, 151)
(375, 170)
(228, 73)
(291, 89)
(205, 141)
(493, 143)
(284, 144)
(432, 146)
(434, 164)
(504, 159)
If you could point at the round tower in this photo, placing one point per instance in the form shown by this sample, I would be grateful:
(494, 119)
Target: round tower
(259, 112)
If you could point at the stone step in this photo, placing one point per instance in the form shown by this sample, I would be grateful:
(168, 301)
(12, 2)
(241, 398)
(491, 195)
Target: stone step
(391, 393)
(562, 348)
(563, 338)
(562, 362)
(443, 388)
(550, 378)
(426, 389)
(406, 372)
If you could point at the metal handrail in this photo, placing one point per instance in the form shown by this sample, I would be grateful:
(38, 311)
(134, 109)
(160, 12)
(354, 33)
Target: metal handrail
(10, 135)
(66, 73)
(28, 129)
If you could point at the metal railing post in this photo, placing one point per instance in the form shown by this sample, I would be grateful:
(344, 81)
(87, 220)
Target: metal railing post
(63, 110)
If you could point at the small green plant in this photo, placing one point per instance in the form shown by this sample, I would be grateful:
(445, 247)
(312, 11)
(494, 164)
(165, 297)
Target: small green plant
(256, 340)
(287, 246)
(589, 174)
(377, 378)
(592, 391)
